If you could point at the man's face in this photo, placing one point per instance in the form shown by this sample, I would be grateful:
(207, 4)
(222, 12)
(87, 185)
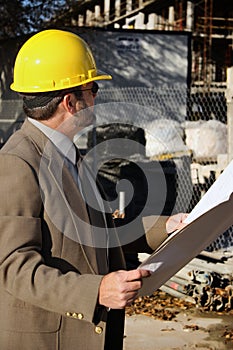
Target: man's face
(83, 113)
(85, 105)
(88, 97)
(87, 93)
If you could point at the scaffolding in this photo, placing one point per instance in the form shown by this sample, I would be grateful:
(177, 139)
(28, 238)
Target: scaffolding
(204, 36)
(210, 22)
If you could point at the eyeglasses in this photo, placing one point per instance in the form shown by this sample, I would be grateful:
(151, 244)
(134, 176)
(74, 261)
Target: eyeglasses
(94, 89)
(78, 92)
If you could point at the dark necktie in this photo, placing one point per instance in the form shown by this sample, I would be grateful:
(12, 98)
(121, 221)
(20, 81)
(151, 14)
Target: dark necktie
(90, 193)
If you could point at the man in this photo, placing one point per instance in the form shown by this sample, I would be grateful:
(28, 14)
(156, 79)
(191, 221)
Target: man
(62, 284)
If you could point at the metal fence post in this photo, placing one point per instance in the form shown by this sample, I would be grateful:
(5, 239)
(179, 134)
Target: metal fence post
(229, 99)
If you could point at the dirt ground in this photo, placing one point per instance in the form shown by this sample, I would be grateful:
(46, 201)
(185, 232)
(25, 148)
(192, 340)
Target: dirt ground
(162, 322)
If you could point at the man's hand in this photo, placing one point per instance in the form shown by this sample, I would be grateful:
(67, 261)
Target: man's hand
(175, 222)
(119, 289)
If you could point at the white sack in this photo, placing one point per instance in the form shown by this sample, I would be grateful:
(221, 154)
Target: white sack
(164, 136)
(206, 138)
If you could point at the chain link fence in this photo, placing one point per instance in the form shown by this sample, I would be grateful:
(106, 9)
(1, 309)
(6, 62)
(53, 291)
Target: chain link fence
(184, 131)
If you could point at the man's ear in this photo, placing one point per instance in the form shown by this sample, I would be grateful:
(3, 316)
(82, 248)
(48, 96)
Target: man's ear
(69, 104)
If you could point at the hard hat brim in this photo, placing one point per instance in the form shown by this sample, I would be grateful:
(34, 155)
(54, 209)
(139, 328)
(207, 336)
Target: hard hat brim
(100, 75)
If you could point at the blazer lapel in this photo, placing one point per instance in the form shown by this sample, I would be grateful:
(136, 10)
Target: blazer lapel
(62, 199)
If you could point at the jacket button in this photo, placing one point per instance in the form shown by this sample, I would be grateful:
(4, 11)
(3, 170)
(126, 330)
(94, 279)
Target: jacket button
(69, 314)
(98, 330)
(78, 316)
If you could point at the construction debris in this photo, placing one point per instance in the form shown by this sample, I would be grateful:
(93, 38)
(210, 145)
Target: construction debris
(206, 281)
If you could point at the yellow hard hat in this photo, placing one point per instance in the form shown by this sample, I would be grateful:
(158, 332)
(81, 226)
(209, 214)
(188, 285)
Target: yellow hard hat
(54, 60)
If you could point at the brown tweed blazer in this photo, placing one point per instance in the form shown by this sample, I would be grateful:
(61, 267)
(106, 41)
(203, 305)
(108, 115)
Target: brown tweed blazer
(49, 278)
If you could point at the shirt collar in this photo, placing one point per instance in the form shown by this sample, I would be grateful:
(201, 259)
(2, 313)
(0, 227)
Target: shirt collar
(61, 141)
